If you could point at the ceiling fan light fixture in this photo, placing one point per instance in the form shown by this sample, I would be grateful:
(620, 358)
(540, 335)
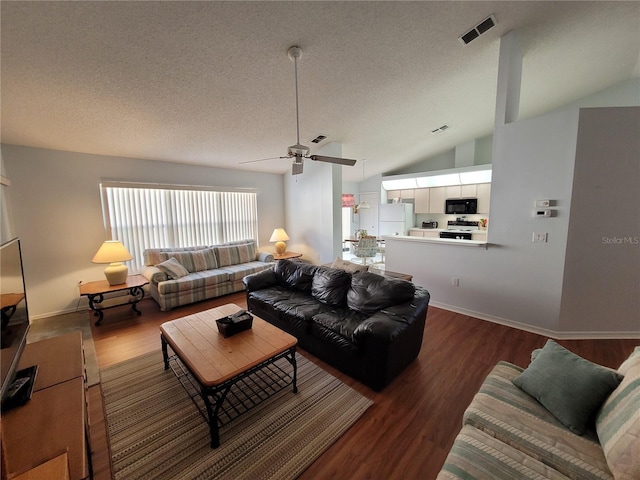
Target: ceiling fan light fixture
(298, 150)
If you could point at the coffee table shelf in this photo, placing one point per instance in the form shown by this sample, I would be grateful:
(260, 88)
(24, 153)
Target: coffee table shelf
(240, 394)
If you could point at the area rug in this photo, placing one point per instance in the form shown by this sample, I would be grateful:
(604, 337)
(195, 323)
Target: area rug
(157, 432)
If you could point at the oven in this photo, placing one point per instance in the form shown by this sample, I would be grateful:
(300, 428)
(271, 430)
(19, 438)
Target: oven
(456, 235)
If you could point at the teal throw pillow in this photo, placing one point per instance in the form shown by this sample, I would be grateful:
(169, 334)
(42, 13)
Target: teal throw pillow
(567, 385)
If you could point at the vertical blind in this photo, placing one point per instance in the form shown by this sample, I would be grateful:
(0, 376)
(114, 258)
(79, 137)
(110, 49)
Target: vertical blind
(144, 217)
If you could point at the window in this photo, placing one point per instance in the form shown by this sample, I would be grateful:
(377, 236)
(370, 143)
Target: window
(149, 216)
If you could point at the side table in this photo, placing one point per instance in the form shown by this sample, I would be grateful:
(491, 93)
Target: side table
(287, 255)
(96, 291)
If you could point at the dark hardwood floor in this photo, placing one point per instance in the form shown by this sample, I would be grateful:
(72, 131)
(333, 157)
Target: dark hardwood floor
(413, 422)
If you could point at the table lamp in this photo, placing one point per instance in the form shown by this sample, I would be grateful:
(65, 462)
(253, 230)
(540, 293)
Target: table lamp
(113, 252)
(279, 236)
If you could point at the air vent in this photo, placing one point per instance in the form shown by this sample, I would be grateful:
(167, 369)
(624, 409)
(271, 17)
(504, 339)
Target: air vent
(440, 130)
(318, 139)
(485, 25)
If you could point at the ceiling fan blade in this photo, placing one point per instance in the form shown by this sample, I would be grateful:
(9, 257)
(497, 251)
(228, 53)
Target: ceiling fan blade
(261, 160)
(296, 168)
(341, 161)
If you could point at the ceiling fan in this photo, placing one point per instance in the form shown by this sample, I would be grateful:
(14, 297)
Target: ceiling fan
(299, 152)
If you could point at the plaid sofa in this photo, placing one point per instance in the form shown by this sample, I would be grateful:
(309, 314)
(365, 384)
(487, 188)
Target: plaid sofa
(507, 434)
(211, 271)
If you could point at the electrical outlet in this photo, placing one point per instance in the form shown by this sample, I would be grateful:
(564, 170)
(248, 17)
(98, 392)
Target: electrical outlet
(455, 282)
(539, 237)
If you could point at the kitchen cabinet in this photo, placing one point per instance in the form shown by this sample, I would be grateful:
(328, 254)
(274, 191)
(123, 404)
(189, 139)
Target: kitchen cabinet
(406, 193)
(416, 232)
(391, 194)
(480, 236)
(484, 197)
(468, 191)
(436, 200)
(453, 191)
(421, 200)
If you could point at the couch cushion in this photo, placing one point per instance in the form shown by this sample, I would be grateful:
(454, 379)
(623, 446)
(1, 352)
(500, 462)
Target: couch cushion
(476, 455)
(330, 286)
(370, 292)
(235, 253)
(618, 422)
(295, 275)
(192, 281)
(173, 268)
(341, 322)
(512, 416)
(152, 255)
(238, 272)
(194, 261)
(569, 386)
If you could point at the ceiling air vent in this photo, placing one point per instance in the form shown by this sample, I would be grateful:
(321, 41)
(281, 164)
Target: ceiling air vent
(318, 139)
(440, 130)
(487, 24)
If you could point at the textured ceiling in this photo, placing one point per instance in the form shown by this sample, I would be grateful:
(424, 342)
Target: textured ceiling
(210, 82)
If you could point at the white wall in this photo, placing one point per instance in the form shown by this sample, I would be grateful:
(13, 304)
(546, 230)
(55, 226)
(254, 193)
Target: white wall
(313, 208)
(54, 199)
(601, 288)
(514, 281)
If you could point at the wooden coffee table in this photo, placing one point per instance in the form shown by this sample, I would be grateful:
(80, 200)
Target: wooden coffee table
(231, 374)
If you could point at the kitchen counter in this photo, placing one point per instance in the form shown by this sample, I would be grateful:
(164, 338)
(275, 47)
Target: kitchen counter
(441, 241)
(434, 234)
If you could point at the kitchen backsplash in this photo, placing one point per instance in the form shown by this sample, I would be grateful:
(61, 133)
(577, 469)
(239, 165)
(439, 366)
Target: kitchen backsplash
(442, 219)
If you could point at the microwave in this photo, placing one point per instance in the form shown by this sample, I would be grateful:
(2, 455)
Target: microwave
(461, 206)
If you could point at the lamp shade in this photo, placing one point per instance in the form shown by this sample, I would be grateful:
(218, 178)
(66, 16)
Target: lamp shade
(113, 252)
(279, 236)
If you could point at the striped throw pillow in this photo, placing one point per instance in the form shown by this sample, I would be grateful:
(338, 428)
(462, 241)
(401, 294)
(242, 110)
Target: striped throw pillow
(173, 268)
(618, 422)
(195, 261)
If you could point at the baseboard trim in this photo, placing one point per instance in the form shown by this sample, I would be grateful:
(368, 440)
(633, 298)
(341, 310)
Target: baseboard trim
(59, 312)
(570, 335)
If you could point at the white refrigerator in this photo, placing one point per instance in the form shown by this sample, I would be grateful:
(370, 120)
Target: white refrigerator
(395, 218)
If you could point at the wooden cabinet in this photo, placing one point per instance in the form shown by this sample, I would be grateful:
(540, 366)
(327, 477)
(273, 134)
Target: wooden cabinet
(480, 236)
(55, 419)
(415, 232)
(452, 191)
(484, 197)
(421, 200)
(409, 193)
(391, 194)
(468, 191)
(436, 200)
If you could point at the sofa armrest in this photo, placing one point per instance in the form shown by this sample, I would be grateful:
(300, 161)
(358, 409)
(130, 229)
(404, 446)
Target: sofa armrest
(154, 274)
(265, 257)
(260, 280)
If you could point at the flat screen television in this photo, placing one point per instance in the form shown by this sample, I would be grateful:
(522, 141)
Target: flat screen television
(15, 316)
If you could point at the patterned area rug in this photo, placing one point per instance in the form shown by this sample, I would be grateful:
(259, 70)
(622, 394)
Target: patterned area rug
(157, 432)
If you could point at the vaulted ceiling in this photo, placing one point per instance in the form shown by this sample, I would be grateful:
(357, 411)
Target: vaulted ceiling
(210, 82)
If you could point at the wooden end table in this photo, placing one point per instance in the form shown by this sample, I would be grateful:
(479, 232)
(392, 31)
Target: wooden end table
(96, 291)
(287, 255)
(231, 374)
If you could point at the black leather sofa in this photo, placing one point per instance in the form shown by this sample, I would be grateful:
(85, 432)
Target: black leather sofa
(366, 325)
